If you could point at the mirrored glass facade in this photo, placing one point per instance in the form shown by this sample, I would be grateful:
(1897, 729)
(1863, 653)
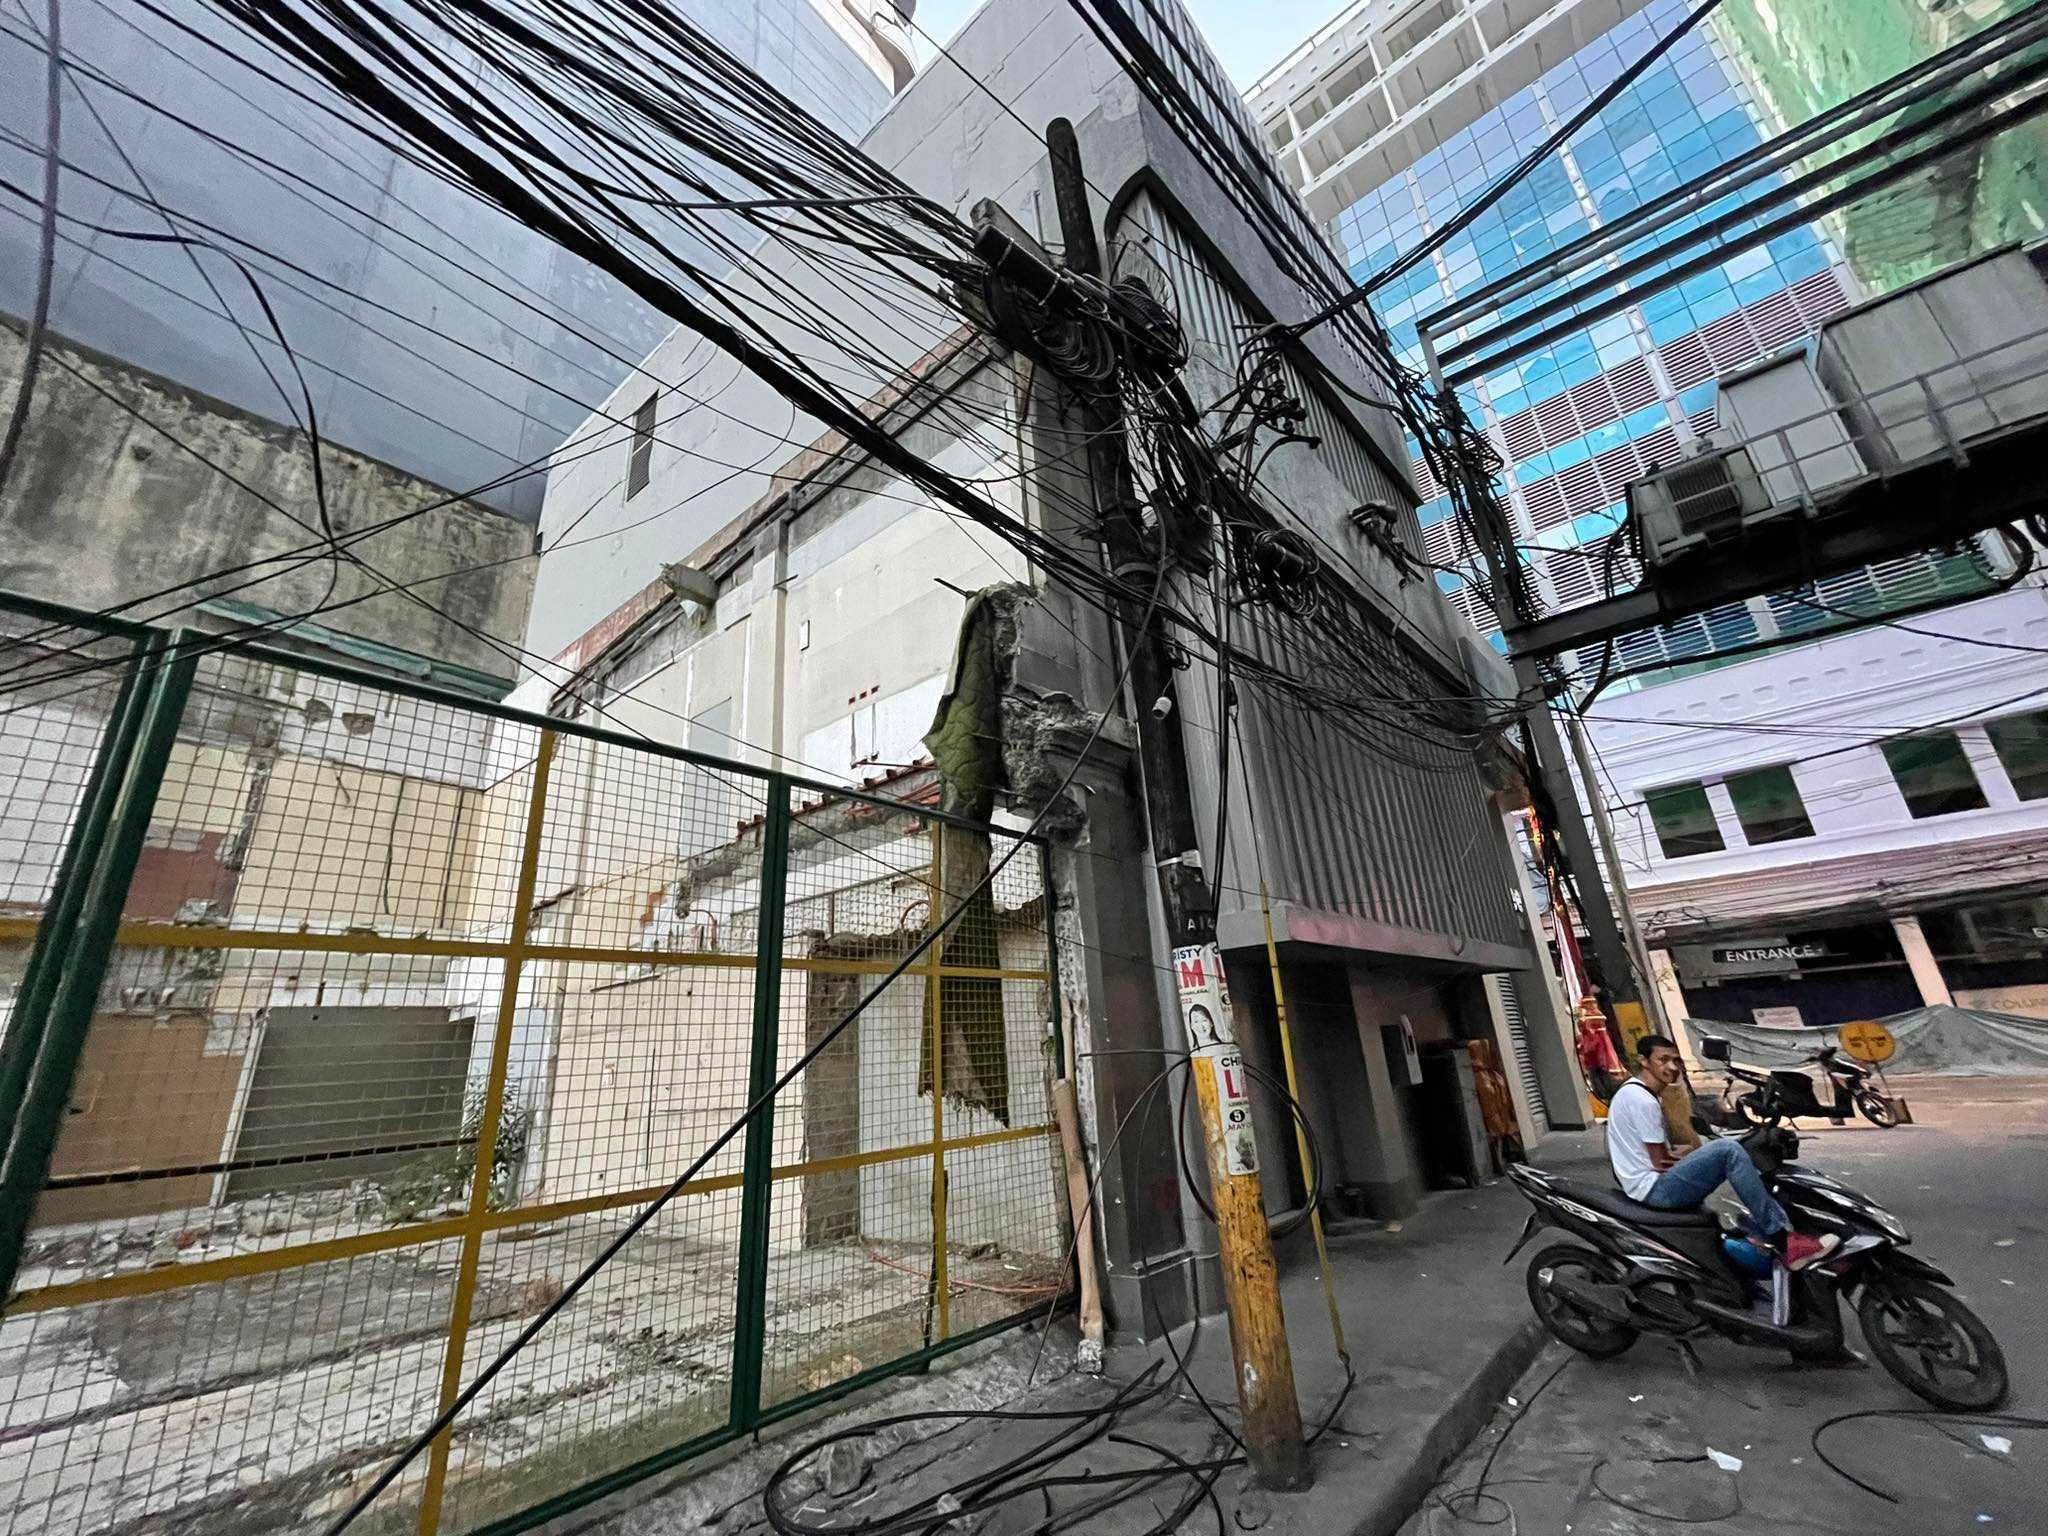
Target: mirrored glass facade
(1575, 420)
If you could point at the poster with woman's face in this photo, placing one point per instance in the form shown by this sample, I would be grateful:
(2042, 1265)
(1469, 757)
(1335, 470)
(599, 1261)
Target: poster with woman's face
(1202, 1028)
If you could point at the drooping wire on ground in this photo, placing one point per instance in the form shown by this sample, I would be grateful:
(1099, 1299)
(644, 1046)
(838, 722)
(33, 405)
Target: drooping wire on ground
(1476, 1495)
(1927, 1416)
(1031, 1474)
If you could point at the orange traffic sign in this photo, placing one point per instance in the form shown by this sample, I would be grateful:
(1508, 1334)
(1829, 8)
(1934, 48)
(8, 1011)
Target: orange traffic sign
(1869, 1041)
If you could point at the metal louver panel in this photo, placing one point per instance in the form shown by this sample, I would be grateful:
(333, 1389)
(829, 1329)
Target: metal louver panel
(1510, 999)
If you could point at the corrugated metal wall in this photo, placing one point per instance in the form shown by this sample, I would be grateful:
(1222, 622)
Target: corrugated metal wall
(1394, 828)
(1215, 321)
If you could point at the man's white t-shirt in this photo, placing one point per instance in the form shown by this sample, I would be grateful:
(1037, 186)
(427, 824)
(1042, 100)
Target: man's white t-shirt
(1634, 1118)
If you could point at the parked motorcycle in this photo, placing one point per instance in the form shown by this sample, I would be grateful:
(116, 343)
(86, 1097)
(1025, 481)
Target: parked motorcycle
(1787, 1093)
(1638, 1270)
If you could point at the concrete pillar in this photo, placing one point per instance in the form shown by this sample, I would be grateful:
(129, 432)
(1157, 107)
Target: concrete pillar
(1546, 1015)
(763, 682)
(1927, 975)
(1665, 974)
(1491, 988)
(1387, 1171)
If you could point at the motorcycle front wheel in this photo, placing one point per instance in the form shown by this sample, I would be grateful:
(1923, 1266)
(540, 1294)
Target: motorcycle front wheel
(1588, 1333)
(1932, 1343)
(1877, 1109)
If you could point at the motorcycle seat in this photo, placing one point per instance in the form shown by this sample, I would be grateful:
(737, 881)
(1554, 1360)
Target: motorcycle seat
(1612, 1202)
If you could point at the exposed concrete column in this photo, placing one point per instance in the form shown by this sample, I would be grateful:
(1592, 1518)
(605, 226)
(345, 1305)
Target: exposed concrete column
(1546, 1015)
(1493, 988)
(1387, 1171)
(1927, 975)
(764, 680)
(1665, 974)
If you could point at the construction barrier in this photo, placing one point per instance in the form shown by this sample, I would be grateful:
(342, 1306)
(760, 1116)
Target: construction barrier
(347, 1019)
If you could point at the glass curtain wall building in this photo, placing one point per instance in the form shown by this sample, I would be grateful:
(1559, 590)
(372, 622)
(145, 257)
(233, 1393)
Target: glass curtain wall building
(1575, 421)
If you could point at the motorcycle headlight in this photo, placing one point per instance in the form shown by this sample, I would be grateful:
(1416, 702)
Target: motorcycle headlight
(1893, 1227)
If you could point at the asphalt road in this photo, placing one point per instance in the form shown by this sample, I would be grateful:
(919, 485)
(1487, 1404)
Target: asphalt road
(1600, 1448)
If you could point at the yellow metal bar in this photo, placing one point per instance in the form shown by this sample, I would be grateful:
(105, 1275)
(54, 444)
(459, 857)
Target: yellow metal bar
(487, 1136)
(1308, 1171)
(241, 1266)
(935, 987)
(200, 936)
(238, 1266)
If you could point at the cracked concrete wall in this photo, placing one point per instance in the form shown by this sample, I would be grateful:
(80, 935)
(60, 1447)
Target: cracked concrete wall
(102, 508)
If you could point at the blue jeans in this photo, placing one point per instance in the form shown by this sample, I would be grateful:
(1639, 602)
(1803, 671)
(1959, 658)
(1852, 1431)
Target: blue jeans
(1705, 1169)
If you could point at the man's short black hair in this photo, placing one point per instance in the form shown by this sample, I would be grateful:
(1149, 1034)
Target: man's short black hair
(1649, 1043)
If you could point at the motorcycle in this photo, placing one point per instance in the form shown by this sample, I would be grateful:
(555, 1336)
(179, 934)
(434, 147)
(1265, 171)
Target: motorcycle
(1637, 1270)
(1786, 1093)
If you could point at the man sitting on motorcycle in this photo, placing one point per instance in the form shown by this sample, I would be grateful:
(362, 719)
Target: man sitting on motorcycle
(1647, 1172)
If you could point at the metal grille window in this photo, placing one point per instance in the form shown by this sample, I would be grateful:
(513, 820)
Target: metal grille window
(1684, 820)
(2021, 742)
(642, 455)
(1767, 804)
(1934, 775)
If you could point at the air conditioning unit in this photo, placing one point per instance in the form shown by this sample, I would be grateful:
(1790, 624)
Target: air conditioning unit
(1711, 498)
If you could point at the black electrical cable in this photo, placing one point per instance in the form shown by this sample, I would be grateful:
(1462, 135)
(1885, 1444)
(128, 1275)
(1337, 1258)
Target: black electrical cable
(1468, 215)
(1477, 1491)
(1666, 1516)
(1910, 1415)
(448, 1415)
(989, 1489)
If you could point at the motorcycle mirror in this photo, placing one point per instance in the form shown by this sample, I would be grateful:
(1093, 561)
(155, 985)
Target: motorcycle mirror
(1714, 1048)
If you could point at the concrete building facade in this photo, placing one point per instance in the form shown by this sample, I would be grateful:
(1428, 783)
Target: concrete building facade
(811, 614)
(128, 485)
(1804, 864)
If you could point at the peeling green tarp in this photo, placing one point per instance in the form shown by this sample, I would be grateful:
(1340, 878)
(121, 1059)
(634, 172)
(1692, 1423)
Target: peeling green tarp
(965, 743)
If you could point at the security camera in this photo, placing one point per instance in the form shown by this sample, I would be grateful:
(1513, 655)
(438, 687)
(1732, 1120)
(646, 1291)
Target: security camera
(1162, 707)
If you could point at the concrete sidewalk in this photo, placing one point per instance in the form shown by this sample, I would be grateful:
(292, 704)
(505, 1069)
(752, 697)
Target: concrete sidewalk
(1438, 1332)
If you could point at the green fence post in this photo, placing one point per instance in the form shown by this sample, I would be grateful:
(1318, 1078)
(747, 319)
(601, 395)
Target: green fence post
(75, 991)
(750, 1335)
(81, 850)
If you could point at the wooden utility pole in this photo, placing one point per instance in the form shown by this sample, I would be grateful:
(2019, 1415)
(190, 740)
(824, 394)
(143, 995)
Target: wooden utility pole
(1264, 1368)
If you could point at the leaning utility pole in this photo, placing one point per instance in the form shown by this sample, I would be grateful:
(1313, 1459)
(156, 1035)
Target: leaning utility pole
(1617, 875)
(1617, 976)
(1258, 1333)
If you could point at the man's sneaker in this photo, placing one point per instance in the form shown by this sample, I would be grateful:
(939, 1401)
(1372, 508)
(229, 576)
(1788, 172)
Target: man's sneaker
(1802, 1251)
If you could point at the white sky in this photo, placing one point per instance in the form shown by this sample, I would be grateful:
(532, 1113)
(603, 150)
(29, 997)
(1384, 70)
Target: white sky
(1249, 36)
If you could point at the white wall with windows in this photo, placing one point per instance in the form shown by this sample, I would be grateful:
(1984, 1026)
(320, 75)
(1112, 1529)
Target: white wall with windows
(1893, 772)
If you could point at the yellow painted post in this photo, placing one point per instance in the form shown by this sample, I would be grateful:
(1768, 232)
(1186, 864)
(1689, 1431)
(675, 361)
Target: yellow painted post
(935, 989)
(1315, 1215)
(476, 1222)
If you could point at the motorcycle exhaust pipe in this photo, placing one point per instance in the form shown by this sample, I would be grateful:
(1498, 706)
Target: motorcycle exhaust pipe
(1603, 1300)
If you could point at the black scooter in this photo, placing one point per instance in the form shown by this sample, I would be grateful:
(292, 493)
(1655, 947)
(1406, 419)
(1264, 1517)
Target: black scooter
(1639, 1270)
(1786, 1093)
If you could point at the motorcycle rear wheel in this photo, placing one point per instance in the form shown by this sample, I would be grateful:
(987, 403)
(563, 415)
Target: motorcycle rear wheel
(1588, 1334)
(1753, 1110)
(1932, 1343)
(1877, 1109)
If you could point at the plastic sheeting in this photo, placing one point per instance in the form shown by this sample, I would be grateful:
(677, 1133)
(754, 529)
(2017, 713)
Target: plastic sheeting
(1933, 1042)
